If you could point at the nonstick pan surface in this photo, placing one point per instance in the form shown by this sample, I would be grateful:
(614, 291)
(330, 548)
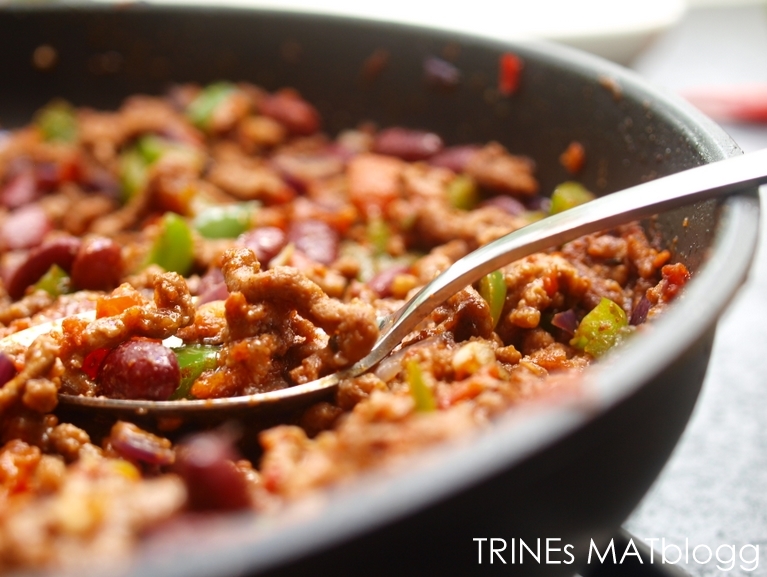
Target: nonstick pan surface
(572, 471)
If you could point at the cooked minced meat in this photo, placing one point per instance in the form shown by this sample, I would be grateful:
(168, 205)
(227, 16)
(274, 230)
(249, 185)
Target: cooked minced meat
(225, 217)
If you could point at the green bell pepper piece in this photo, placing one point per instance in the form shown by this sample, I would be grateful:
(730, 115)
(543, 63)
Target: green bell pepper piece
(601, 329)
(55, 282)
(200, 110)
(173, 248)
(492, 288)
(462, 193)
(135, 163)
(378, 234)
(420, 391)
(133, 173)
(193, 360)
(569, 194)
(226, 221)
(57, 122)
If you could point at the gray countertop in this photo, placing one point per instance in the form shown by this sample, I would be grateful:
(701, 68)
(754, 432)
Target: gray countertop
(713, 492)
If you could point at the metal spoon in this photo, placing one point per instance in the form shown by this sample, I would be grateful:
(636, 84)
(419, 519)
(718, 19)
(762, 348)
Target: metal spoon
(644, 200)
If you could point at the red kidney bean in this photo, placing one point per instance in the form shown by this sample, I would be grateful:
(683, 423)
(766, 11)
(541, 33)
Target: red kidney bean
(48, 175)
(205, 462)
(454, 157)
(292, 111)
(134, 444)
(381, 283)
(24, 227)
(507, 204)
(316, 239)
(60, 251)
(265, 241)
(20, 190)
(98, 264)
(139, 369)
(407, 144)
(7, 369)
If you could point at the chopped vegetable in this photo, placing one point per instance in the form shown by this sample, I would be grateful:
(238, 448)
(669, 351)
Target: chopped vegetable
(422, 394)
(193, 360)
(492, 287)
(510, 69)
(93, 361)
(378, 234)
(135, 163)
(601, 329)
(55, 282)
(151, 148)
(57, 122)
(364, 258)
(173, 248)
(133, 173)
(639, 314)
(569, 194)
(573, 158)
(566, 321)
(114, 304)
(225, 221)
(200, 111)
(462, 193)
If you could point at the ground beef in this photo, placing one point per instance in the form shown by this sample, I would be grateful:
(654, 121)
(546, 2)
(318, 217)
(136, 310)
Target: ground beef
(270, 249)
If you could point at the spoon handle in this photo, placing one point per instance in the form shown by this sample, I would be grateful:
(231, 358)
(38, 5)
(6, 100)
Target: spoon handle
(641, 201)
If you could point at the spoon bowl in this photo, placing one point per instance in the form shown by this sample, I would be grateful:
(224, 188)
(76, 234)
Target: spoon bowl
(638, 202)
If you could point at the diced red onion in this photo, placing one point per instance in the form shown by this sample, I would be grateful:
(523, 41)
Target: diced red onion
(539, 203)
(211, 278)
(507, 204)
(639, 314)
(217, 292)
(441, 72)
(391, 366)
(566, 320)
(407, 144)
(20, 190)
(99, 180)
(455, 157)
(304, 168)
(212, 287)
(25, 227)
(7, 369)
(136, 445)
(316, 239)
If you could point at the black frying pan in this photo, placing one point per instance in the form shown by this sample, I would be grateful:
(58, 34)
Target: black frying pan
(571, 472)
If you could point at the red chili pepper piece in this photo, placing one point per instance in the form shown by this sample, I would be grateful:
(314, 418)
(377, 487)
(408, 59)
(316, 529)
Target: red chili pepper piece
(509, 73)
(92, 362)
